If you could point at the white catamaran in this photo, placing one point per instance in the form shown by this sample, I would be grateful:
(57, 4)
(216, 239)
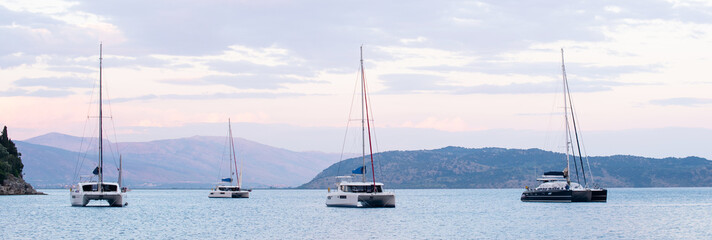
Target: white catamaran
(97, 189)
(231, 191)
(362, 193)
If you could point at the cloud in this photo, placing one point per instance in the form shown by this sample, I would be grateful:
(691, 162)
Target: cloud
(243, 81)
(46, 93)
(551, 68)
(55, 83)
(419, 83)
(613, 9)
(419, 39)
(682, 101)
(210, 96)
(267, 56)
(447, 124)
(244, 68)
(52, 27)
(413, 83)
(15, 59)
(186, 50)
(538, 88)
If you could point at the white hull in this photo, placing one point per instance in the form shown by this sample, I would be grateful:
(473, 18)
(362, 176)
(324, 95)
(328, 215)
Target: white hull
(229, 194)
(350, 199)
(81, 199)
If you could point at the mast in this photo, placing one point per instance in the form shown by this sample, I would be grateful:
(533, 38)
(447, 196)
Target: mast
(229, 134)
(368, 123)
(120, 169)
(566, 119)
(101, 129)
(578, 144)
(234, 158)
(363, 129)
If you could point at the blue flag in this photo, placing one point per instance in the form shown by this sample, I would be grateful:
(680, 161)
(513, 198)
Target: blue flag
(359, 170)
(96, 171)
(227, 179)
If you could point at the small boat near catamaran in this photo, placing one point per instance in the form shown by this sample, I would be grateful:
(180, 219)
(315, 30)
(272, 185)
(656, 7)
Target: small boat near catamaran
(558, 186)
(353, 193)
(93, 187)
(234, 189)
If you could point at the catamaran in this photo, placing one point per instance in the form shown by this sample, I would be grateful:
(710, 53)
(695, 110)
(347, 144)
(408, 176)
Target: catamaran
(231, 191)
(350, 193)
(90, 188)
(557, 186)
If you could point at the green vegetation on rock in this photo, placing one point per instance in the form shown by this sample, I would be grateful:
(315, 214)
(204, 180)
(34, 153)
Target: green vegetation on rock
(10, 162)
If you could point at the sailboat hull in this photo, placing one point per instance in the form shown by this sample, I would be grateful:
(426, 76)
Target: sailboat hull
(361, 200)
(229, 194)
(599, 195)
(81, 199)
(560, 195)
(378, 200)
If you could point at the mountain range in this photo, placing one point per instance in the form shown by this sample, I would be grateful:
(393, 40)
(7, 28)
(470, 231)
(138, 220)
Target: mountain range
(456, 167)
(55, 159)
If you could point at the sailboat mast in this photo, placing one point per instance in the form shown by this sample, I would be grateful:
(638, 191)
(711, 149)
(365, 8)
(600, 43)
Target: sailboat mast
(363, 118)
(566, 118)
(368, 124)
(101, 129)
(234, 158)
(120, 170)
(229, 134)
(578, 143)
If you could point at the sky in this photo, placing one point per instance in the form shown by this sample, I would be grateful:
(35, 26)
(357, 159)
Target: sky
(444, 71)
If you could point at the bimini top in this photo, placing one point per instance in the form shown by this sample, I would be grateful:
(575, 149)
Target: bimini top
(562, 185)
(228, 188)
(552, 177)
(554, 173)
(93, 187)
(360, 187)
(359, 184)
(95, 183)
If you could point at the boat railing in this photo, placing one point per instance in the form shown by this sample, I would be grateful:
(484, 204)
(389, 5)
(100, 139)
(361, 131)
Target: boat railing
(345, 178)
(86, 178)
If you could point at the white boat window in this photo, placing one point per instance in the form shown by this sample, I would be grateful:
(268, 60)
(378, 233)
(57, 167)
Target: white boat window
(89, 188)
(364, 189)
(105, 188)
(110, 188)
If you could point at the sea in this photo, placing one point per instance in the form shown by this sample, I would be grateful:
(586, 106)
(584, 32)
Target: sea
(630, 213)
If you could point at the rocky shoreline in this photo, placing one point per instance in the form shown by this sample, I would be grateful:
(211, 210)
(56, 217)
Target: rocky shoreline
(17, 186)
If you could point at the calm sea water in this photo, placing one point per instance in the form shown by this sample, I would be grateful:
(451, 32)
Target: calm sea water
(669, 213)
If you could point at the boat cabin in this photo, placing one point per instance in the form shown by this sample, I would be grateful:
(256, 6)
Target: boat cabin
(93, 187)
(360, 187)
(552, 177)
(228, 188)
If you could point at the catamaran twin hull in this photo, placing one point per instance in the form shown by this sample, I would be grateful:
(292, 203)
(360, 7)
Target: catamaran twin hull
(81, 199)
(555, 195)
(229, 194)
(365, 200)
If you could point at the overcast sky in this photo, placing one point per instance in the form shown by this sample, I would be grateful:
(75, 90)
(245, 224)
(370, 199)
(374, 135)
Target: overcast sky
(452, 66)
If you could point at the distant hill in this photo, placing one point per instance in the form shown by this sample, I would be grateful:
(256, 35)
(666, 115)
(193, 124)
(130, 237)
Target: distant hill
(50, 161)
(455, 167)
